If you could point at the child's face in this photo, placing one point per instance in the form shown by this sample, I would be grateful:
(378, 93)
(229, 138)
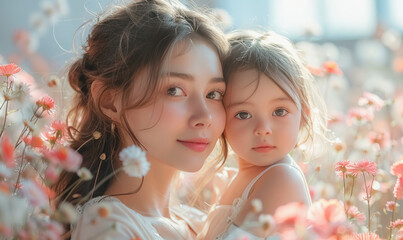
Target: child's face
(181, 128)
(262, 126)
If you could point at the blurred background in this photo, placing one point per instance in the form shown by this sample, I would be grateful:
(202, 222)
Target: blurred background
(351, 46)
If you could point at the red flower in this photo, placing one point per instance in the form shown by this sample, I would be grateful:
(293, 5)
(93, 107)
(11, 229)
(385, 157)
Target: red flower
(397, 168)
(7, 152)
(341, 168)
(46, 103)
(9, 69)
(331, 67)
(34, 141)
(364, 166)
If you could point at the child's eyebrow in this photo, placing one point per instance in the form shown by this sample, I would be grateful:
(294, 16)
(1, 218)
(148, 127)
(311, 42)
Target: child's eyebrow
(190, 77)
(279, 99)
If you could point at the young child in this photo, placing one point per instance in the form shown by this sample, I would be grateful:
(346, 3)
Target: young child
(150, 76)
(272, 106)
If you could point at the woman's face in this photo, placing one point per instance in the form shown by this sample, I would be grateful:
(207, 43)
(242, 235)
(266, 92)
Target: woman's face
(182, 126)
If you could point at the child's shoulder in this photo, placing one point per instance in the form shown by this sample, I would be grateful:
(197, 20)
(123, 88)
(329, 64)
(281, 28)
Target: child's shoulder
(279, 185)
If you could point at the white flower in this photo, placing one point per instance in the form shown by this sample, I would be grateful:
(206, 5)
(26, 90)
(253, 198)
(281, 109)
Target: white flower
(68, 213)
(33, 193)
(134, 161)
(5, 172)
(84, 174)
(13, 209)
(267, 222)
(256, 205)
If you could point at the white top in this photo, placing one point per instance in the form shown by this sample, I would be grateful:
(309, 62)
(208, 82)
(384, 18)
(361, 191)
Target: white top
(227, 229)
(122, 222)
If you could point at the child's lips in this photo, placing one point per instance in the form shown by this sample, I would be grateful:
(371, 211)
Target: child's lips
(264, 148)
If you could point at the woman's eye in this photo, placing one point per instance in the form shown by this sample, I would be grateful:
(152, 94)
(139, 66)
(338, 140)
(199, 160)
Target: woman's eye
(281, 112)
(175, 91)
(215, 95)
(243, 115)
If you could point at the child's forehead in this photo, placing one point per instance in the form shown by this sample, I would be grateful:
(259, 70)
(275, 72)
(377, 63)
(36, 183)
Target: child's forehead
(244, 78)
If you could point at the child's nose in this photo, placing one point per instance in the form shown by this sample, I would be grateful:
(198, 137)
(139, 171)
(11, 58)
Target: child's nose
(263, 128)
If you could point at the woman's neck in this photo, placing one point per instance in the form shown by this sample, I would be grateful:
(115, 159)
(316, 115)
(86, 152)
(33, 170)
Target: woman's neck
(153, 197)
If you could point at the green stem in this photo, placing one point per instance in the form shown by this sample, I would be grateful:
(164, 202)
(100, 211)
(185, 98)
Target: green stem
(393, 219)
(5, 120)
(368, 199)
(352, 187)
(100, 184)
(20, 170)
(68, 189)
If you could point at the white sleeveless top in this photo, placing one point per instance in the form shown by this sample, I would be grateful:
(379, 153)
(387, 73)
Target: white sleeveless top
(226, 229)
(125, 223)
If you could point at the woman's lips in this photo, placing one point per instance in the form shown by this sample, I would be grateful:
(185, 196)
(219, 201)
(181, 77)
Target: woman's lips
(197, 144)
(264, 148)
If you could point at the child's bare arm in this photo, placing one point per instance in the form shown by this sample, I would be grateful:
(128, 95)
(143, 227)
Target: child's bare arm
(280, 185)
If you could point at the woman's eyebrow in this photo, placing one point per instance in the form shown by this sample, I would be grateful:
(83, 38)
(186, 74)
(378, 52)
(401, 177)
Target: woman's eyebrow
(190, 77)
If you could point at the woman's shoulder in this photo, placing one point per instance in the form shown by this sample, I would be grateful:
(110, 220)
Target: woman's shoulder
(107, 217)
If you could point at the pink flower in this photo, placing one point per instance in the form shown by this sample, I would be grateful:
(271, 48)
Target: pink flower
(59, 129)
(367, 236)
(289, 215)
(341, 168)
(7, 152)
(51, 173)
(9, 69)
(363, 166)
(397, 168)
(391, 206)
(398, 189)
(335, 117)
(399, 235)
(327, 218)
(66, 157)
(381, 138)
(397, 224)
(46, 103)
(353, 213)
(372, 100)
(331, 67)
(359, 116)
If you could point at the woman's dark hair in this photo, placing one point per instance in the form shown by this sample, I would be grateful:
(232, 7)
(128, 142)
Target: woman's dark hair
(129, 40)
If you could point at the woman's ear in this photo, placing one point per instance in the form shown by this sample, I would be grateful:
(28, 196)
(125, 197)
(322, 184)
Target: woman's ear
(106, 99)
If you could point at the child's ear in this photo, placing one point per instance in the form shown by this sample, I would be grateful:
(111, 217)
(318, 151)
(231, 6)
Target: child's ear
(106, 99)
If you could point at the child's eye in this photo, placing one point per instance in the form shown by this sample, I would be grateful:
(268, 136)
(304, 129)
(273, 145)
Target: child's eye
(215, 95)
(281, 112)
(175, 91)
(243, 115)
